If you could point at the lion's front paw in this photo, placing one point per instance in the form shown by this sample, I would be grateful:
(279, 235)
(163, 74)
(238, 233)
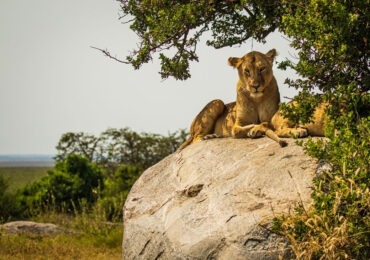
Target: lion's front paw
(299, 132)
(256, 132)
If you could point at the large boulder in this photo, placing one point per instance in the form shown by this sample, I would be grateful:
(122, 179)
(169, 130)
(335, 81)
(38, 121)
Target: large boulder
(215, 200)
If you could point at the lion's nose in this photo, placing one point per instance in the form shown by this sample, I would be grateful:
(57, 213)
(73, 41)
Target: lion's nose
(255, 88)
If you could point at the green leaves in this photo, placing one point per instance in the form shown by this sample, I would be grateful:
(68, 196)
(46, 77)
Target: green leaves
(304, 105)
(8, 204)
(178, 66)
(331, 39)
(174, 28)
(329, 35)
(165, 26)
(64, 188)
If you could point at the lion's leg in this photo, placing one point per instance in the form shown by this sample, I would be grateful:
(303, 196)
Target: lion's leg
(255, 131)
(297, 132)
(285, 128)
(204, 122)
(241, 131)
(251, 131)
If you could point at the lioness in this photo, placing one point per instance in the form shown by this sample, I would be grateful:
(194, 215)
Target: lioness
(257, 100)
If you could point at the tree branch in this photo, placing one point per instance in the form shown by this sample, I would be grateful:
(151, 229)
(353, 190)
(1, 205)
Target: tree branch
(107, 53)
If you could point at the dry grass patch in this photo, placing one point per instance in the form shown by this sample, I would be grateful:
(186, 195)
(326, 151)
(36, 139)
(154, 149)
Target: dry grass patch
(58, 247)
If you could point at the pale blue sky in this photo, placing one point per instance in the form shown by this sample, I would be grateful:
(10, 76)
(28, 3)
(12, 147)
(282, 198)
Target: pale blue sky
(52, 82)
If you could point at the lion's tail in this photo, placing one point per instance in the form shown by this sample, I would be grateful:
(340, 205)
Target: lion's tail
(186, 143)
(271, 134)
(192, 139)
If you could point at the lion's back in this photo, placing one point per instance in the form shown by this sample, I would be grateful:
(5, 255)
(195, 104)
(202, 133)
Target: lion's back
(225, 122)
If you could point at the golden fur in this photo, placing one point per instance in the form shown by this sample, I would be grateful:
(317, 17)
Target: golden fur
(285, 128)
(256, 103)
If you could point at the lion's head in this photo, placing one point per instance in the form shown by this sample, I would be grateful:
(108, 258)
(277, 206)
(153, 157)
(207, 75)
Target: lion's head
(255, 71)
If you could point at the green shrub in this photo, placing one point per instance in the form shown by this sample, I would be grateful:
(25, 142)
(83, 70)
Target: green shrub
(64, 188)
(116, 189)
(338, 224)
(8, 204)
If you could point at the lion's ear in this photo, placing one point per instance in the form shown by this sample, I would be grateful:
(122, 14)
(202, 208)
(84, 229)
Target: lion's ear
(234, 62)
(271, 54)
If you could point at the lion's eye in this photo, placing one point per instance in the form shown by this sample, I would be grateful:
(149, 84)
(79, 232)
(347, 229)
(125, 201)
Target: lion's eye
(262, 69)
(247, 73)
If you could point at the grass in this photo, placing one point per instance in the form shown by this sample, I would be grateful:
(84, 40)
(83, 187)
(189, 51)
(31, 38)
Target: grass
(19, 177)
(58, 247)
(92, 238)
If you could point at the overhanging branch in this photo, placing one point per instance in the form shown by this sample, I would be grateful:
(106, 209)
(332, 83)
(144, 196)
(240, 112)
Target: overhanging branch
(107, 53)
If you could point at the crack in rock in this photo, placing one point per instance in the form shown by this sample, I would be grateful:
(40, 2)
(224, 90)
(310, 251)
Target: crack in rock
(193, 190)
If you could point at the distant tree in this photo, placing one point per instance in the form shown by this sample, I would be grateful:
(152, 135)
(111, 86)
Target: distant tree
(116, 147)
(77, 143)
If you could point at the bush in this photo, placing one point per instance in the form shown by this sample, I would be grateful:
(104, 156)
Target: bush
(116, 190)
(338, 224)
(64, 188)
(8, 204)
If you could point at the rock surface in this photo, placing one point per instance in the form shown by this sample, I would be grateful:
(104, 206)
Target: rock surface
(22, 227)
(214, 200)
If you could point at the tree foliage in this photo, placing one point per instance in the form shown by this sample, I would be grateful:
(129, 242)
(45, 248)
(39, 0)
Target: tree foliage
(8, 203)
(331, 36)
(72, 184)
(115, 147)
(174, 28)
(332, 41)
(116, 189)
